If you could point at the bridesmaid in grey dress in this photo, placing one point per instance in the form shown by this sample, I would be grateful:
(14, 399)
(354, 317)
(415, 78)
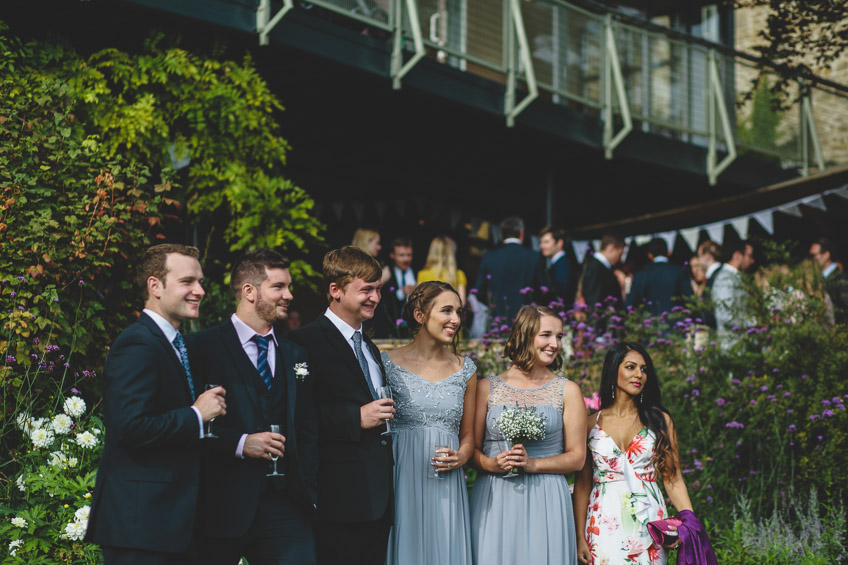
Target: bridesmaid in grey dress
(528, 518)
(434, 391)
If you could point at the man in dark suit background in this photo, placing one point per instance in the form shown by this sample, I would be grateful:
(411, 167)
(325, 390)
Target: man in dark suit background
(355, 492)
(145, 500)
(599, 280)
(557, 271)
(506, 271)
(825, 254)
(709, 254)
(244, 513)
(660, 283)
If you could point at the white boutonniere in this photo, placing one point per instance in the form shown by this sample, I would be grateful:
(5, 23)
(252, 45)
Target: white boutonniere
(301, 371)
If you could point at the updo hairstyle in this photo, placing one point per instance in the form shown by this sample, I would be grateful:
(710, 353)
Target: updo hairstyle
(422, 299)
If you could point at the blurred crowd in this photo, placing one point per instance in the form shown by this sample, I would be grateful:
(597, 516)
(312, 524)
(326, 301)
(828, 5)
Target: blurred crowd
(513, 274)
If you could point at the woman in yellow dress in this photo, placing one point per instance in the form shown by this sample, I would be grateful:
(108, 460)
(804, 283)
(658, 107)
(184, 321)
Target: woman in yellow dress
(441, 266)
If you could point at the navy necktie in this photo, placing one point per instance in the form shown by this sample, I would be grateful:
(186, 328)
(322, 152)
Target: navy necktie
(262, 359)
(363, 363)
(179, 343)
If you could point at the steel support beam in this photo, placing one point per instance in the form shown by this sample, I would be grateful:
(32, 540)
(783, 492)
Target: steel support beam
(717, 108)
(613, 77)
(265, 23)
(511, 109)
(399, 69)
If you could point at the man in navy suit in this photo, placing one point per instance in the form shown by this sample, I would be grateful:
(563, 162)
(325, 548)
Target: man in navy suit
(146, 497)
(825, 255)
(244, 512)
(660, 284)
(599, 281)
(355, 492)
(557, 271)
(506, 271)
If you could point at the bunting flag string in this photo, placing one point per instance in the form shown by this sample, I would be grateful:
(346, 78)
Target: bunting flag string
(580, 250)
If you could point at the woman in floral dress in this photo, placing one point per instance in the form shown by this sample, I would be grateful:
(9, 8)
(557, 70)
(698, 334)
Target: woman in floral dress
(631, 444)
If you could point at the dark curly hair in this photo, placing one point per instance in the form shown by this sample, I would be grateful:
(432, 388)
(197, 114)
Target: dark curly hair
(422, 299)
(648, 403)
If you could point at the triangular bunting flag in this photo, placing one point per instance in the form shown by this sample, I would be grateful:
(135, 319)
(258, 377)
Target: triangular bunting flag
(716, 232)
(580, 249)
(741, 226)
(691, 237)
(843, 192)
(596, 244)
(765, 219)
(816, 202)
(643, 239)
(791, 210)
(670, 237)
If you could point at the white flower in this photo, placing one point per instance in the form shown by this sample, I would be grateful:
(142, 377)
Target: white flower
(74, 406)
(21, 484)
(42, 437)
(96, 431)
(57, 458)
(86, 439)
(62, 424)
(72, 462)
(19, 522)
(14, 545)
(82, 513)
(23, 421)
(301, 371)
(75, 530)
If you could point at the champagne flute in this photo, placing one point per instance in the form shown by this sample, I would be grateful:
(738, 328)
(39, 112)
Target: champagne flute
(209, 433)
(274, 429)
(512, 473)
(386, 392)
(437, 450)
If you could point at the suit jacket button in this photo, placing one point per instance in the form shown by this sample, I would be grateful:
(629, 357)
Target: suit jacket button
(384, 442)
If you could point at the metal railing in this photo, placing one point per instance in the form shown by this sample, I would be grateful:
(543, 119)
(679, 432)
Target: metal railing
(630, 74)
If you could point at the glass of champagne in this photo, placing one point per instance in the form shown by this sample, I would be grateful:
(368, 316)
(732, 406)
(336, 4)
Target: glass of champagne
(386, 392)
(209, 433)
(437, 451)
(512, 473)
(274, 429)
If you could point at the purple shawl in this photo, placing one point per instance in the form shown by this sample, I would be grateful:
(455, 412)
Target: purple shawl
(696, 548)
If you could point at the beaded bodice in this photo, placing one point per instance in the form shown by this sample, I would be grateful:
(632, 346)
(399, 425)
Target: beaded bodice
(547, 399)
(424, 404)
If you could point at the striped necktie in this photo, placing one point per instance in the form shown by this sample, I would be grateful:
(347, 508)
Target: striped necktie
(262, 359)
(179, 343)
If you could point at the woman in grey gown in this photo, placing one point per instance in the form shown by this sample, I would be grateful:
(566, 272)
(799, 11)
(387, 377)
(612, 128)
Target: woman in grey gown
(528, 518)
(434, 392)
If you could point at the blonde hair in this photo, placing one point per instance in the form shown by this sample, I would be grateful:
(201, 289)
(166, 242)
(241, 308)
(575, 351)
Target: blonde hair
(519, 347)
(362, 238)
(441, 259)
(343, 265)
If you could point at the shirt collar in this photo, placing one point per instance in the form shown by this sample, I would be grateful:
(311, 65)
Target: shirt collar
(712, 269)
(661, 259)
(731, 267)
(512, 240)
(246, 333)
(557, 257)
(346, 329)
(164, 325)
(828, 270)
(602, 258)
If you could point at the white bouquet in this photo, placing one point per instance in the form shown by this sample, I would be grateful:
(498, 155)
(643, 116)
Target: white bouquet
(520, 425)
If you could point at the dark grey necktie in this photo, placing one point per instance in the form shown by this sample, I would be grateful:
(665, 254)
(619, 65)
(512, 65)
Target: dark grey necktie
(363, 362)
(179, 343)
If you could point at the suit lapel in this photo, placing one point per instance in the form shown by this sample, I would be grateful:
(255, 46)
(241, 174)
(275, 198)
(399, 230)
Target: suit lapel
(285, 366)
(375, 351)
(345, 351)
(244, 368)
(148, 322)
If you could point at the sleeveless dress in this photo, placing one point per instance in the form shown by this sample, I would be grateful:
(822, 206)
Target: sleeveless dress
(431, 515)
(526, 519)
(625, 497)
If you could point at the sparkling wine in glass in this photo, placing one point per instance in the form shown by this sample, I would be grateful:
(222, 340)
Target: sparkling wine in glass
(386, 392)
(512, 473)
(275, 429)
(437, 451)
(209, 433)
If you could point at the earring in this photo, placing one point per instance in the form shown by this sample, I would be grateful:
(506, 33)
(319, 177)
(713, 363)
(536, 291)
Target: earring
(613, 391)
(642, 397)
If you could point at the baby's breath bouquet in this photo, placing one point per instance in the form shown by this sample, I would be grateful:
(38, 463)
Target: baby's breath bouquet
(520, 425)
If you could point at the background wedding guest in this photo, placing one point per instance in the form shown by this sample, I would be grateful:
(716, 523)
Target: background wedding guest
(355, 495)
(660, 284)
(599, 280)
(528, 518)
(709, 255)
(434, 390)
(399, 282)
(145, 499)
(697, 275)
(632, 441)
(368, 241)
(441, 266)
(244, 512)
(557, 271)
(382, 324)
(729, 295)
(825, 254)
(504, 272)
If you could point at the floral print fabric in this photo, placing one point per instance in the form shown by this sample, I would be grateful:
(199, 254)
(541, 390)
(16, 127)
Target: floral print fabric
(625, 497)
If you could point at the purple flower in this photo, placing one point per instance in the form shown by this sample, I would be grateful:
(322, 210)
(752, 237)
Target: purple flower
(11, 359)
(825, 403)
(82, 282)
(399, 322)
(764, 388)
(814, 417)
(690, 378)
(805, 377)
(14, 294)
(734, 424)
(698, 464)
(827, 413)
(753, 403)
(75, 391)
(55, 300)
(792, 428)
(735, 381)
(696, 392)
(720, 401)
(790, 411)
(709, 500)
(787, 394)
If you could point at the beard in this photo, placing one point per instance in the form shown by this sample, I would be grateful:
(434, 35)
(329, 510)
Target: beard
(267, 311)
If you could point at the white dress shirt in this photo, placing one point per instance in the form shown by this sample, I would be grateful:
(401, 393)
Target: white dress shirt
(711, 269)
(603, 259)
(347, 332)
(830, 268)
(170, 333)
(660, 259)
(245, 335)
(403, 278)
